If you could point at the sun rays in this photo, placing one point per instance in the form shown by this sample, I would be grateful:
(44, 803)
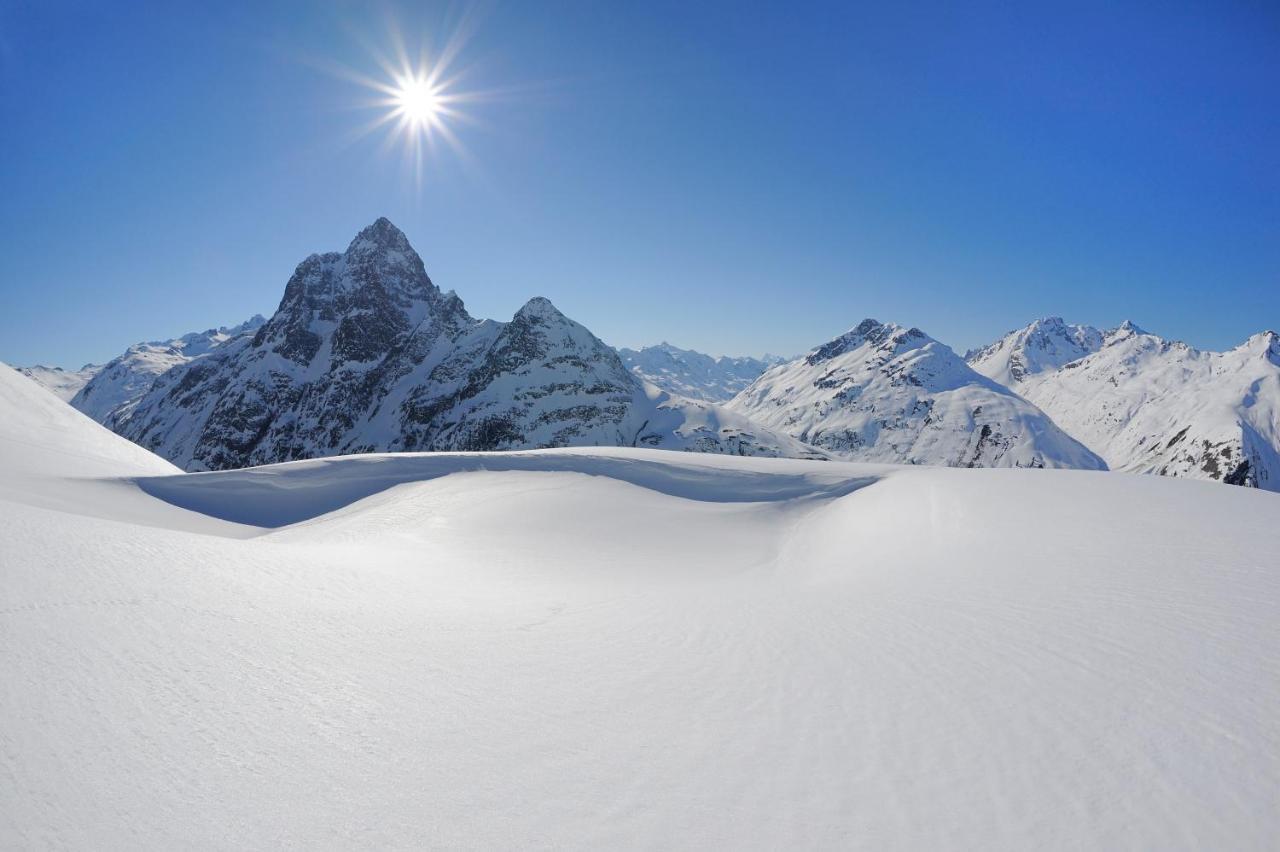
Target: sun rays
(417, 98)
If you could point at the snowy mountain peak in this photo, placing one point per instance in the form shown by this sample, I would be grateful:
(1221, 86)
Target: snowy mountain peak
(379, 269)
(1045, 344)
(1128, 328)
(358, 303)
(381, 236)
(1264, 343)
(868, 331)
(540, 308)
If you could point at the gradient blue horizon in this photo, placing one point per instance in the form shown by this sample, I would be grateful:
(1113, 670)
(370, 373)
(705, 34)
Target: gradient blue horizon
(731, 178)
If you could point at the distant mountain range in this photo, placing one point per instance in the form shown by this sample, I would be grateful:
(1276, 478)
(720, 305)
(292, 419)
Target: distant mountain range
(366, 354)
(64, 384)
(692, 374)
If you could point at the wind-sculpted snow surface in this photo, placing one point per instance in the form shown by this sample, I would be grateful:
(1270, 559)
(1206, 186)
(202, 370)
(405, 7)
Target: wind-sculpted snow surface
(1149, 405)
(889, 394)
(283, 494)
(603, 648)
(365, 354)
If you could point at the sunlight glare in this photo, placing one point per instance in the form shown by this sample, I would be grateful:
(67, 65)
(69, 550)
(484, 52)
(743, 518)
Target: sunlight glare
(417, 102)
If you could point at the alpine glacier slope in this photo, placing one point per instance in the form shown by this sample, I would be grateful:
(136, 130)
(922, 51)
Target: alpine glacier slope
(1150, 405)
(884, 393)
(592, 648)
(366, 354)
(693, 374)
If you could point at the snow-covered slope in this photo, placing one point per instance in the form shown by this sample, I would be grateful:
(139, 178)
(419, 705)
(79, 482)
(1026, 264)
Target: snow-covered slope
(1045, 344)
(64, 384)
(1149, 405)
(692, 374)
(115, 388)
(366, 354)
(625, 648)
(39, 434)
(890, 394)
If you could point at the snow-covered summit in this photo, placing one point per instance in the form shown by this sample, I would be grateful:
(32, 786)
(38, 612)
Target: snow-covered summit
(1045, 344)
(883, 392)
(1264, 344)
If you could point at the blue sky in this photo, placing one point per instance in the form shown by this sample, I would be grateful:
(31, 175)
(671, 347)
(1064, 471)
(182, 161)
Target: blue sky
(736, 177)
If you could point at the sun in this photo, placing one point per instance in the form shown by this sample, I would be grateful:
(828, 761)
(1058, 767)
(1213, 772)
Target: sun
(418, 99)
(417, 102)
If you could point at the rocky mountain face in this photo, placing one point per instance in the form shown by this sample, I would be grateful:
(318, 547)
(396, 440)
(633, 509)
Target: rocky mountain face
(112, 391)
(1150, 405)
(64, 384)
(366, 354)
(693, 374)
(885, 393)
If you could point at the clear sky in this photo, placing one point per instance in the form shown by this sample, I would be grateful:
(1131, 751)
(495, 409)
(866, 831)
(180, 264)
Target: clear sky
(735, 178)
